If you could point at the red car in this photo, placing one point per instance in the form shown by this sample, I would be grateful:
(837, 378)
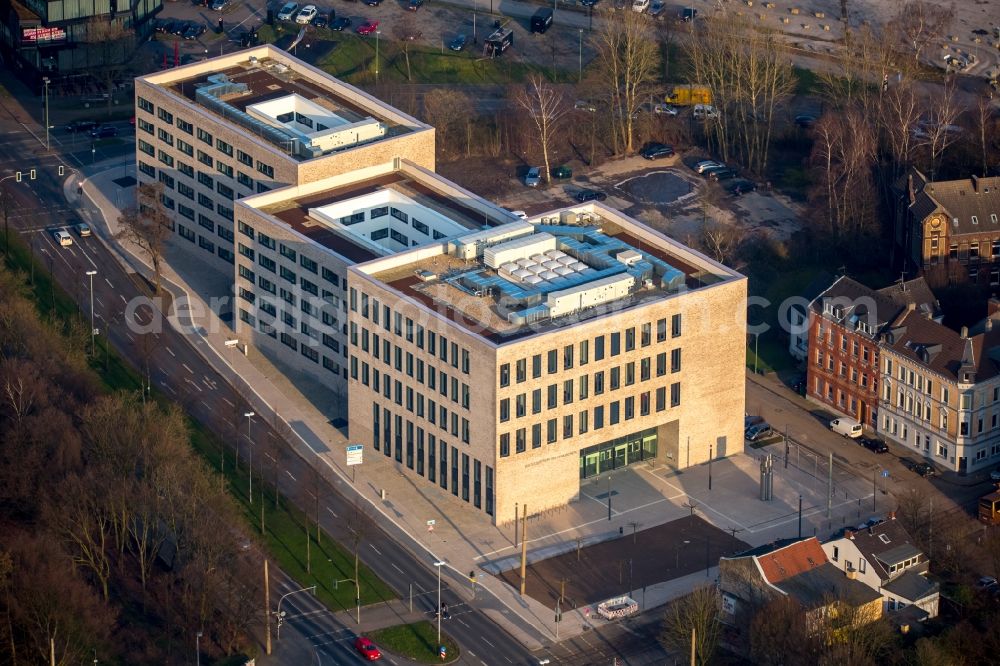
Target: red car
(367, 649)
(367, 28)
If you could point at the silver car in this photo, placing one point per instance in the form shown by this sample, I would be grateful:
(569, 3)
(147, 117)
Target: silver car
(533, 177)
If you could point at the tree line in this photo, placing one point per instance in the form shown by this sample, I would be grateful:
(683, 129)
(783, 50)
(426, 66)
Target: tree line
(118, 543)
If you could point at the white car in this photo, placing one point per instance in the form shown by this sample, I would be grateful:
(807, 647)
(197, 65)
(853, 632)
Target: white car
(640, 5)
(664, 110)
(306, 14)
(62, 237)
(288, 11)
(704, 111)
(533, 177)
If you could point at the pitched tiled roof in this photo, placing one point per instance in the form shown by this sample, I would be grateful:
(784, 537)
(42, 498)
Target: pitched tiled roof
(911, 586)
(959, 200)
(942, 350)
(821, 585)
(791, 560)
(877, 543)
(876, 306)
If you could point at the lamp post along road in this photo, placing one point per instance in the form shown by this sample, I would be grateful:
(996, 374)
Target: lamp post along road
(45, 81)
(377, 33)
(93, 343)
(249, 416)
(438, 565)
(280, 615)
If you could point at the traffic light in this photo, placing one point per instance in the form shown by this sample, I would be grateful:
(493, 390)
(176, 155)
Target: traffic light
(17, 176)
(31, 174)
(62, 170)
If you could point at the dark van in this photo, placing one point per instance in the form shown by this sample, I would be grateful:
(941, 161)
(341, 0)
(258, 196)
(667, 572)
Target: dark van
(542, 20)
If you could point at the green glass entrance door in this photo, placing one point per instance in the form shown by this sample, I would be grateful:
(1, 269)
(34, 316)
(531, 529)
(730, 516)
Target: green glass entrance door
(590, 465)
(621, 455)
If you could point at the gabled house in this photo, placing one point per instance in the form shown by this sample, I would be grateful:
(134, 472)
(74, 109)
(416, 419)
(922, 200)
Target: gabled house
(949, 231)
(844, 326)
(798, 317)
(884, 557)
(940, 391)
(795, 568)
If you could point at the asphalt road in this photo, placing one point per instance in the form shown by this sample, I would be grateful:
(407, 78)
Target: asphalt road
(177, 369)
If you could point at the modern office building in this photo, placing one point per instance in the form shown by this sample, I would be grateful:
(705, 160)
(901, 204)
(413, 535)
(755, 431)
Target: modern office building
(241, 124)
(294, 246)
(511, 363)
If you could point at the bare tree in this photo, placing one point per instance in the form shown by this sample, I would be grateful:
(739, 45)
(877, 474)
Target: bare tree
(699, 611)
(148, 226)
(898, 116)
(720, 241)
(749, 75)
(626, 67)
(986, 128)
(919, 23)
(843, 155)
(446, 109)
(6, 207)
(111, 44)
(547, 108)
(405, 32)
(779, 634)
(940, 131)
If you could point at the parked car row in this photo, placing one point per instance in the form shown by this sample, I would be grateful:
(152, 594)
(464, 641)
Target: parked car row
(179, 28)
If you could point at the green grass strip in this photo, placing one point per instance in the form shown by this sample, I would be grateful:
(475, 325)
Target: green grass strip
(417, 641)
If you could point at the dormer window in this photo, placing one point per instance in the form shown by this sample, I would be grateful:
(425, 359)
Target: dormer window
(993, 218)
(975, 220)
(884, 538)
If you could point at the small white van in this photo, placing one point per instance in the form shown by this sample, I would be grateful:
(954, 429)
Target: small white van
(63, 238)
(846, 427)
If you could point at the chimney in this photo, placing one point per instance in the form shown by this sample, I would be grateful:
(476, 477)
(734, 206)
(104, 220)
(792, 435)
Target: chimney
(975, 184)
(909, 188)
(891, 515)
(849, 534)
(964, 332)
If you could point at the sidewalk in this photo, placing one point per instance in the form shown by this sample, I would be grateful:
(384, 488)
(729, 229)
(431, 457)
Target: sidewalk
(461, 536)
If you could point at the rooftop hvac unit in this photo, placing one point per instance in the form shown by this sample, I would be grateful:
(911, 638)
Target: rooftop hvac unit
(568, 217)
(538, 258)
(548, 275)
(551, 264)
(533, 279)
(555, 254)
(563, 270)
(510, 267)
(567, 260)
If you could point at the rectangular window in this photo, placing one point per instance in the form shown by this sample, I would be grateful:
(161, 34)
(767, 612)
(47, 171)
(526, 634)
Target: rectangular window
(145, 125)
(599, 348)
(185, 126)
(265, 169)
(204, 136)
(675, 360)
(616, 343)
(165, 116)
(675, 394)
(675, 326)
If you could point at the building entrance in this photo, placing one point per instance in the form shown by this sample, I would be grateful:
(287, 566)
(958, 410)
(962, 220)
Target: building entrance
(618, 453)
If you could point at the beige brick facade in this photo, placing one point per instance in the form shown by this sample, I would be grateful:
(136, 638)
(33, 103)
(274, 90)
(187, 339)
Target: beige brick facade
(709, 383)
(202, 184)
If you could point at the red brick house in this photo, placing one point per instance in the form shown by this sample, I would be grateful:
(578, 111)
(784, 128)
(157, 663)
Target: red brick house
(844, 325)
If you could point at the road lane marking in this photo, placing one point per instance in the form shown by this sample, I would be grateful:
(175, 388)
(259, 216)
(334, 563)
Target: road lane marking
(208, 406)
(397, 568)
(171, 352)
(464, 625)
(327, 508)
(374, 548)
(185, 366)
(193, 384)
(229, 402)
(109, 283)
(123, 299)
(490, 644)
(129, 336)
(99, 301)
(290, 474)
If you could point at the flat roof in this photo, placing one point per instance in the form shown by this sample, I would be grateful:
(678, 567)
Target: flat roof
(308, 212)
(560, 268)
(252, 88)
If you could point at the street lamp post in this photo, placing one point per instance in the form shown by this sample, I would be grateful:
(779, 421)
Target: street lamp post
(439, 565)
(377, 33)
(609, 497)
(197, 648)
(45, 82)
(249, 416)
(279, 615)
(579, 77)
(93, 344)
